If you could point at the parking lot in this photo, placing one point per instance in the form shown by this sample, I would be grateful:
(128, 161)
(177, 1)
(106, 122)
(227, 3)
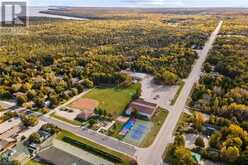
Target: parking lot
(159, 94)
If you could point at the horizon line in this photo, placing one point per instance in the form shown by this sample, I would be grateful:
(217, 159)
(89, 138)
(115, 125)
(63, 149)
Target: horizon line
(143, 7)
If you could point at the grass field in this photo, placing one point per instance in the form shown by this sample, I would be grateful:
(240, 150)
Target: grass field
(32, 162)
(158, 120)
(173, 101)
(113, 100)
(91, 144)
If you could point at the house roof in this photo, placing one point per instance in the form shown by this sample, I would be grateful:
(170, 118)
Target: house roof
(5, 142)
(52, 154)
(85, 104)
(86, 114)
(143, 106)
(7, 125)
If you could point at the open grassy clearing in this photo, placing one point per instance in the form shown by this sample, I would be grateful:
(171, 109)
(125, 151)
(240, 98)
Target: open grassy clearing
(158, 120)
(113, 100)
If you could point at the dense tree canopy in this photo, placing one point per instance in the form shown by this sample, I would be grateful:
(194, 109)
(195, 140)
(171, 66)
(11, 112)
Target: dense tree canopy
(56, 59)
(223, 88)
(232, 143)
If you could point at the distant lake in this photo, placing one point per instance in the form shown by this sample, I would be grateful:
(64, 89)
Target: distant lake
(35, 12)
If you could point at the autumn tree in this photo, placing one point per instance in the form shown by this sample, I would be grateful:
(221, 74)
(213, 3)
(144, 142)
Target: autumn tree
(199, 142)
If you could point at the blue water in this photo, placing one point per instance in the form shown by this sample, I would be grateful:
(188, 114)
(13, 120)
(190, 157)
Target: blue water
(35, 11)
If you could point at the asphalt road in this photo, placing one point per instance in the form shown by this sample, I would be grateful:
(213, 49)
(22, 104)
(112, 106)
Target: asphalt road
(153, 154)
(104, 140)
(101, 139)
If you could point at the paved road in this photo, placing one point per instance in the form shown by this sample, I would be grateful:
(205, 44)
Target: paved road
(153, 154)
(89, 134)
(106, 141)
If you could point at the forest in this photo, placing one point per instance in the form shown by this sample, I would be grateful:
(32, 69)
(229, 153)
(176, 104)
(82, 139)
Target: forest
(56, 59)
(223, 88)
(219, 103)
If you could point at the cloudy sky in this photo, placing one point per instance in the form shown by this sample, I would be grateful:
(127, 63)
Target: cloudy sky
(142, 3)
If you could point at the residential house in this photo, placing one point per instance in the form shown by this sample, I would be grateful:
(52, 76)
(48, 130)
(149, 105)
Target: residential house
(10, 128)
(6, 143)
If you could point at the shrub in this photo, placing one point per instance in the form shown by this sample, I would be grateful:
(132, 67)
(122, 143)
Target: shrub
(35, 138)
(199, 142)
(29, 120)
(179, 140)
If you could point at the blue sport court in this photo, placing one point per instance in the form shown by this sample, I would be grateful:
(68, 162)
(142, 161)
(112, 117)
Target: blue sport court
(138, 132)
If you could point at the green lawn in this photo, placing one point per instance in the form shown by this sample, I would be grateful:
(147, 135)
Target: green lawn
(113, 100)
(158, 120)
(63, 134)
(115, 129)
(32, 162)
(173, 101)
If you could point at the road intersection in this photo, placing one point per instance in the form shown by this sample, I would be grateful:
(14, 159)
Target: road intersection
(153, 154)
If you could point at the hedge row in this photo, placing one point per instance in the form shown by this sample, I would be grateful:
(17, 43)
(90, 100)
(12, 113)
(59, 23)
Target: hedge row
(92, 150)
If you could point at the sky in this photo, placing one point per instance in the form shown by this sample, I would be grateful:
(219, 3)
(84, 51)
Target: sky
(141, 3)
